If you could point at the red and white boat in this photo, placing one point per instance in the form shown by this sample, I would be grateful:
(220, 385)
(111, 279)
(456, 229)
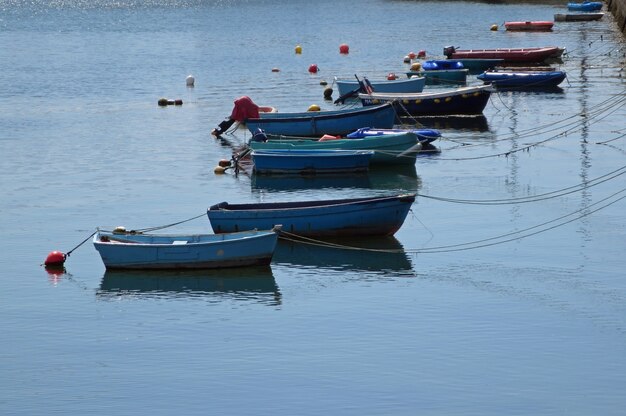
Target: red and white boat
(534, 55)
(534, 25)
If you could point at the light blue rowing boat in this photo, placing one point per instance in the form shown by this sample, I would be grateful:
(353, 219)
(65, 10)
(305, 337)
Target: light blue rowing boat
(196, 251)
(306, 162)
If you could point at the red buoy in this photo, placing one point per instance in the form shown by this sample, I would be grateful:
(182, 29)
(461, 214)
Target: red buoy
(391, 76)
(411, 55)
(344, 48)
(55, 258)
(313, 69)
(421, 54)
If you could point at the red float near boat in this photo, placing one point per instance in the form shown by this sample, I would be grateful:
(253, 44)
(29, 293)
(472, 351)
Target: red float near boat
(535, 25)
(508, 54)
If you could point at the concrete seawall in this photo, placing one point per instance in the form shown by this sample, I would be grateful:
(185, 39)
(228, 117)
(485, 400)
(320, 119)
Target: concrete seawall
(618, 9)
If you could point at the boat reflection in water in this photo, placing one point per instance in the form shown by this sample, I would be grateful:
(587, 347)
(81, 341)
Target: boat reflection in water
(252, 284)
(468, 123)
(373, 257)
(388, 178)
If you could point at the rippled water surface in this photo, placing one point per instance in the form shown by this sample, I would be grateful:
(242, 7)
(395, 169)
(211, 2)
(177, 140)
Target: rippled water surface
(479, 309)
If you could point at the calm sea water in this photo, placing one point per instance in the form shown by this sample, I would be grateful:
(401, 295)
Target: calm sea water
(535, 325)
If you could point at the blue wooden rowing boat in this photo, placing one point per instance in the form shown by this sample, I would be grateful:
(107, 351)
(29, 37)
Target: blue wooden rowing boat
(442, 72)
(464, 100)
(400, 148)
(523, 79)
(194, 251)
(318, 123)
(382, 215)
(414, 84)
(585, 6)
(303, 162)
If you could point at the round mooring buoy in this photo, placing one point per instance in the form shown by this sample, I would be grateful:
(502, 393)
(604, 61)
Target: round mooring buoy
(55, 259)
(313, 68)
(391, 76)
(298, 49)
(314, 107)
(494, 27)
(328, 93)
(344, 49)
(411, 55)
(190, 80)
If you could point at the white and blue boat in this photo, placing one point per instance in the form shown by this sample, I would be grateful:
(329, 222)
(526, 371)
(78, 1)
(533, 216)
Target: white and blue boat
(413, 84)
(423, 135)
(372, 216)
(310, 162)
(128, 250)
(442, 72)
(318, 123)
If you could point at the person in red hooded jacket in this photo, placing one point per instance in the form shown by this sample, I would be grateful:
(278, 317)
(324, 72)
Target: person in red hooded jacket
(244, 109)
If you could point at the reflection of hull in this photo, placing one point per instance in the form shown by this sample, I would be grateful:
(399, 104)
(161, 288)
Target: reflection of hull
(295, 182)
(305, 255)
(474, 123)
(244, 283)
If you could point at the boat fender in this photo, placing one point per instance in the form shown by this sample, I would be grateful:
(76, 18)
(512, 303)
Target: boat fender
(259, 136)
(328, 137)
(407, 59)
(55, 259)
(313, 69)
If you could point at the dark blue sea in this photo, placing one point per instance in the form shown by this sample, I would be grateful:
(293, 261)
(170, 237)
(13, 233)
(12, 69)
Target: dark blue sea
(504, 293)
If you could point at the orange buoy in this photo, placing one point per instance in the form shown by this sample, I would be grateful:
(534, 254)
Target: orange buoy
(55, 259)
(411, 55)
(421, 54)
(313, 68)
(344, 49)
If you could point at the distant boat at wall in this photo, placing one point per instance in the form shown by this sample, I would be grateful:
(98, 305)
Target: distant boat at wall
(383, 215)
(507, 54)
(189, 251)
(299, 161)
(464, 100)
(530, 26)
(577, 17)
(318, 123)
(415, 84)
(585, 6)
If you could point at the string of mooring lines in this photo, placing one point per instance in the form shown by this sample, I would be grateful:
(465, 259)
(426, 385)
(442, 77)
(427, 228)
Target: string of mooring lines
(564, 127)
(472, 245)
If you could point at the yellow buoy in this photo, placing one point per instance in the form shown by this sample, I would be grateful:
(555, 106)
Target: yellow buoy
(448, 99)
(314, 107)
(416, 66)
(494, 27)
(219, 170)
(298, 49)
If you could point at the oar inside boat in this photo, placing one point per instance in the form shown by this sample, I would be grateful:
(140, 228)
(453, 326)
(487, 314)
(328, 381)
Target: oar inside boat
(364, 86)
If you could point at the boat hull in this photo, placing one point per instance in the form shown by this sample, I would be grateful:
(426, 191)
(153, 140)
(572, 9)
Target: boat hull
(299, 161)
(523, 80)
(318, 123)
(416, 84)
(209, 251)
(577, 17)
(452, 77)
(329, 218)
(466, 100)
(529, 26)
(530, 55)
(388, 149)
